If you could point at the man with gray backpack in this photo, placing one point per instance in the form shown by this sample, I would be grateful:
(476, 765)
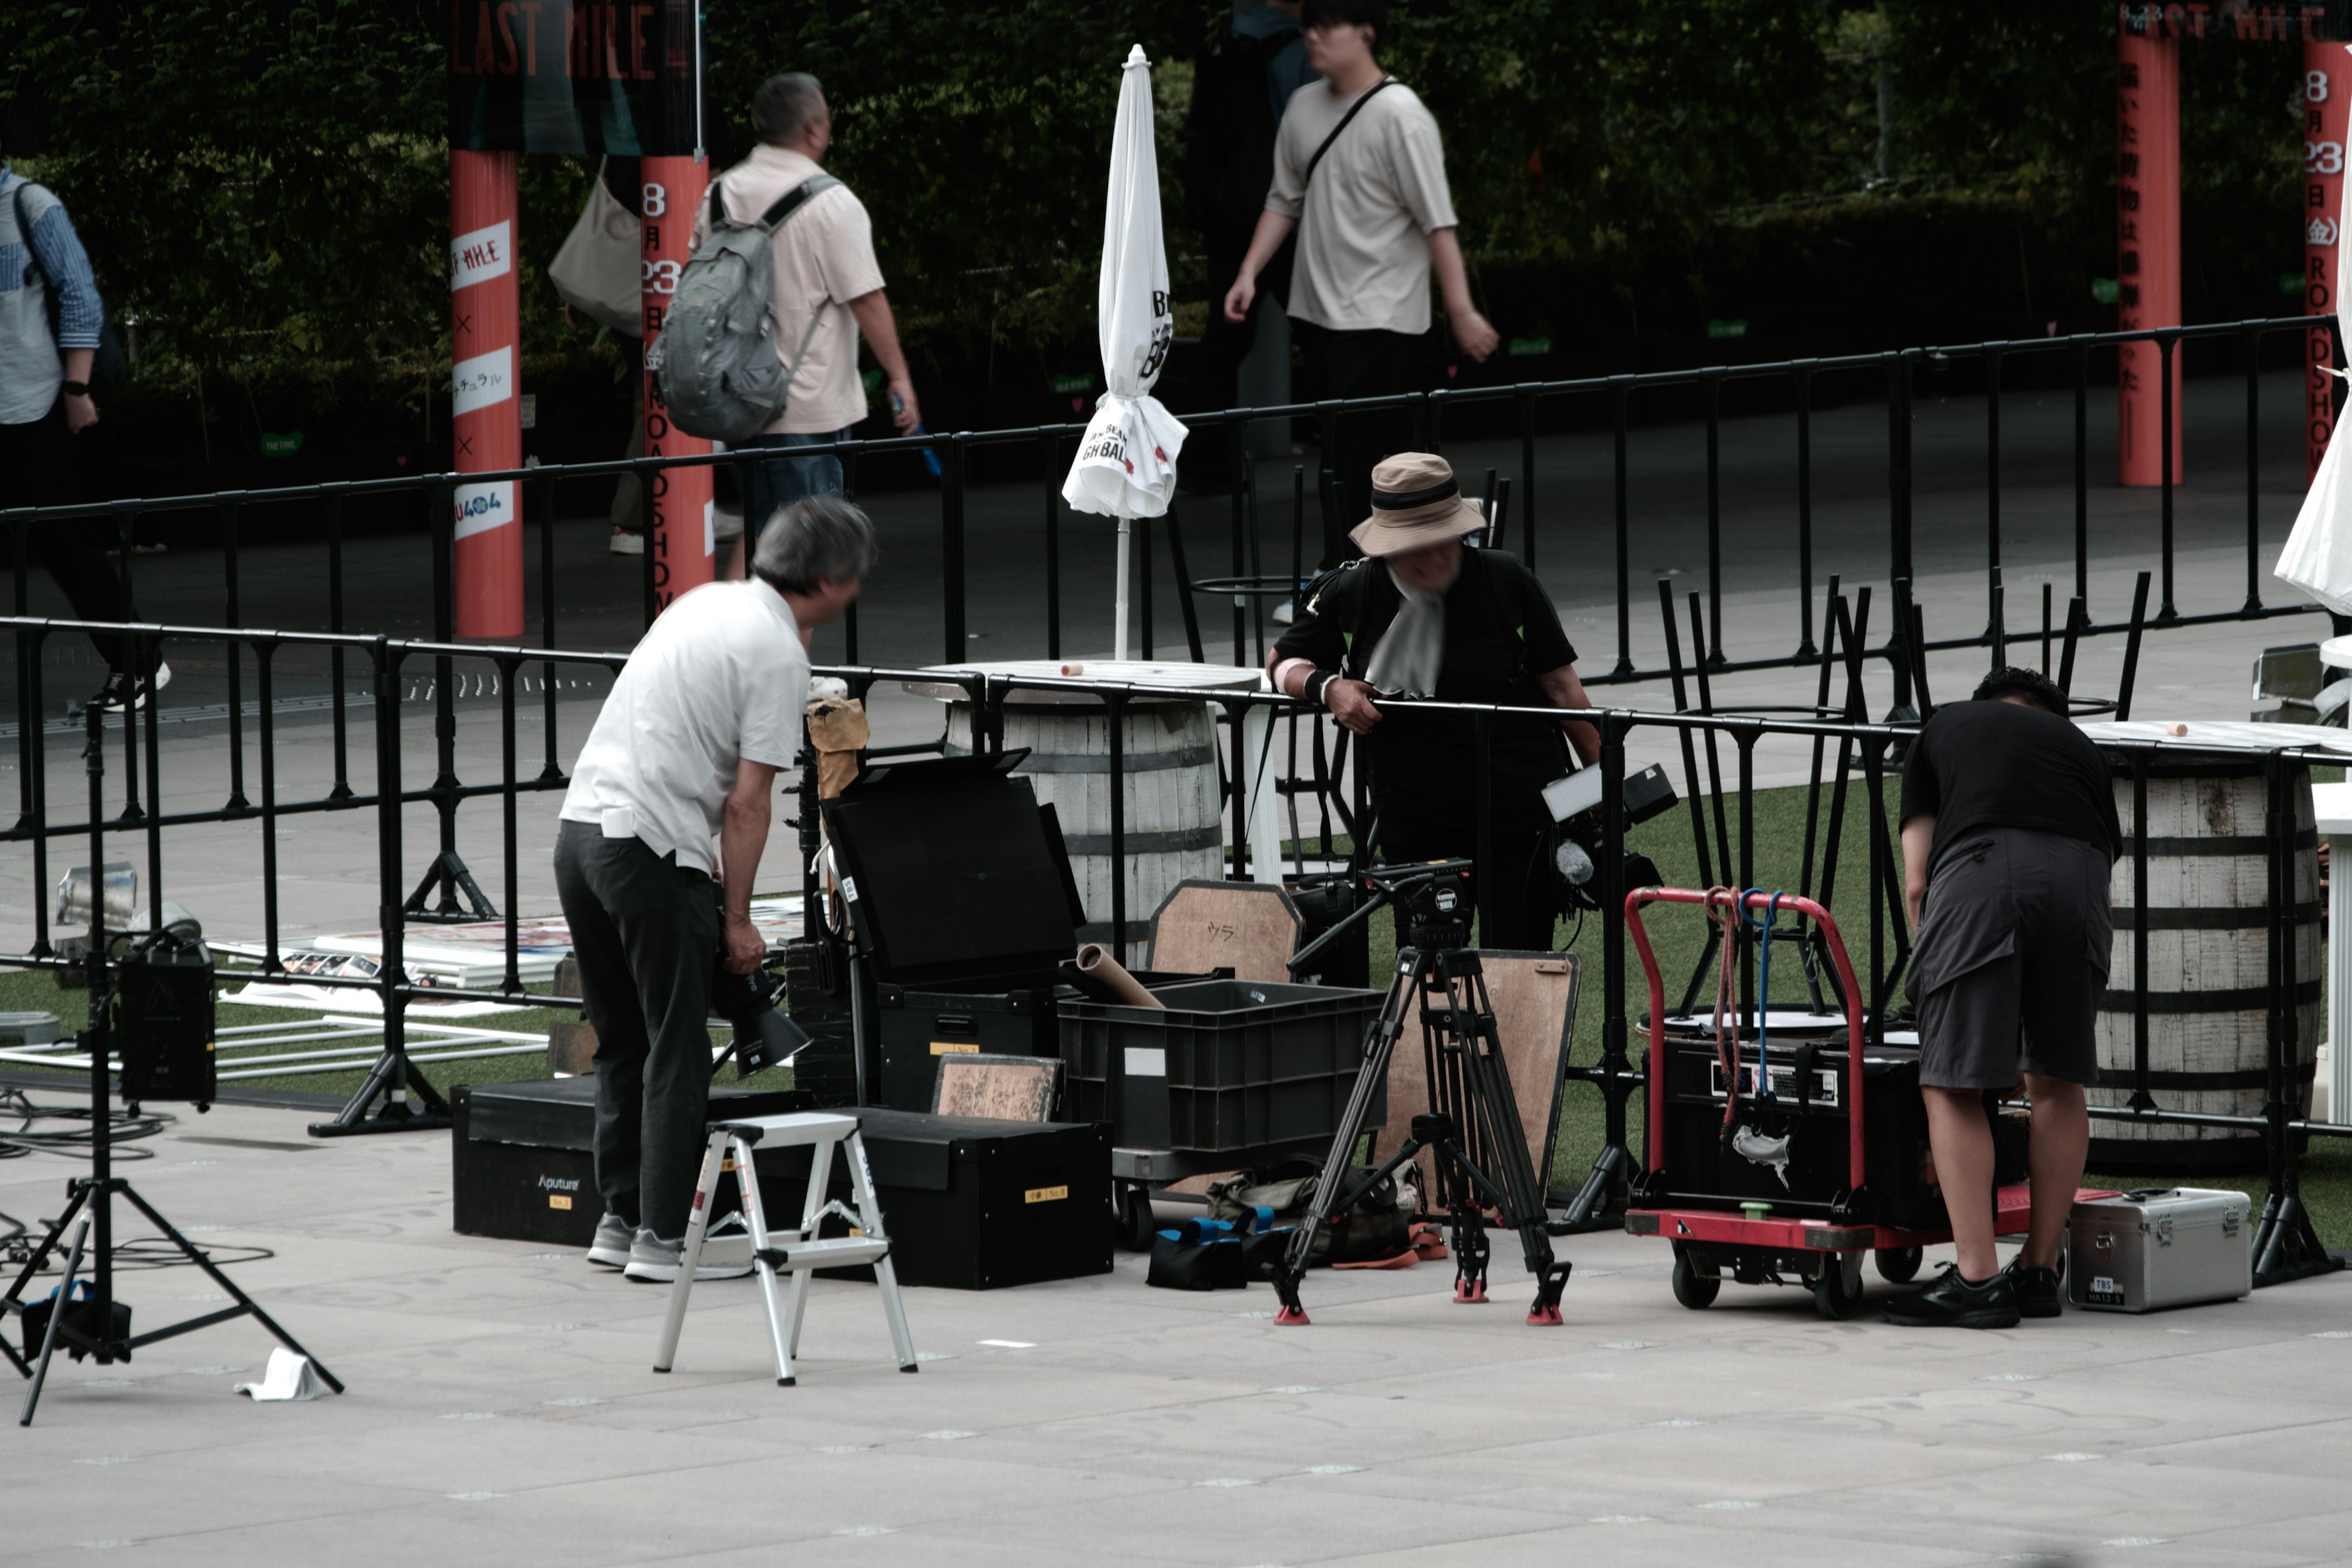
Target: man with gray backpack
(758, 347)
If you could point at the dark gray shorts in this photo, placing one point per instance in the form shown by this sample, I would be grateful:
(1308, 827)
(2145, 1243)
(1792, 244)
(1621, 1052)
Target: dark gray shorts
(2013, 947)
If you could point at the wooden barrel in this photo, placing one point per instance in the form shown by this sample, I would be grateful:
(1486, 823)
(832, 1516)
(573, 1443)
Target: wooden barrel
(1172, 788)
(2208, 963)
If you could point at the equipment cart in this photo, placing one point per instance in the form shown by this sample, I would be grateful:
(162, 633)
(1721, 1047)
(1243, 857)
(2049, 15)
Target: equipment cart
(1785, 1165)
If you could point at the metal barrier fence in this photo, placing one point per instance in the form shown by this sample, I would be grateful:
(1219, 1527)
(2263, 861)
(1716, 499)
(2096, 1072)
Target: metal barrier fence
(2286, 1246)
(1597, 401)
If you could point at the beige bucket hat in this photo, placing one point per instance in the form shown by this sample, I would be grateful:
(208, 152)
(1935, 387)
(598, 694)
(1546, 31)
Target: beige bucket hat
(1416, 501)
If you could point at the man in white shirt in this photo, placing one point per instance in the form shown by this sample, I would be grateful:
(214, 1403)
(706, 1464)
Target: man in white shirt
(686, 750)
(1375, 219)
(825, 275)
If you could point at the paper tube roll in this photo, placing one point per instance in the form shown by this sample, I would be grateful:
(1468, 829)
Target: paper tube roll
(1095, 962)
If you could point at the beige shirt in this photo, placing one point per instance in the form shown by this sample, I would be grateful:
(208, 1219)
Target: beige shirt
(1363, 227)
(824, 260)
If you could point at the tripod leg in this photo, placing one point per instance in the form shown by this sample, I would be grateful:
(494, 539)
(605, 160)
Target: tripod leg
(59, 1306)
(212, 1270)
(1372, 1079)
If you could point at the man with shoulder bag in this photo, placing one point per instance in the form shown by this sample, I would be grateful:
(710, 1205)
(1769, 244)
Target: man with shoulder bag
(52, 325)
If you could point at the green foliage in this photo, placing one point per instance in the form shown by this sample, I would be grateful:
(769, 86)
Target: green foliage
(266, 180)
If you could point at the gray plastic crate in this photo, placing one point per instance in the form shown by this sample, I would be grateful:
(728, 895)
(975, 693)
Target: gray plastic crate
(1226, 1064)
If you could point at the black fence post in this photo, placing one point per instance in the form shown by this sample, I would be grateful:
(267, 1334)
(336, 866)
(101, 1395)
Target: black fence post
(264, 656)
(229, 553)
(551, 771)
(1527, 476)
(1900, 372)
(1992, 489)
(1713, 385)
(951, 564)
(1054, 546)
(337, 700)
(1805, 648)
(2253, 354)
(2167, 343)
(29, 716)
(1614, 1059)
(2083, 472)
(1621, 392)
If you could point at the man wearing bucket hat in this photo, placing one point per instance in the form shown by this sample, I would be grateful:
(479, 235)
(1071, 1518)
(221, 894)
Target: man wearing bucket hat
(1421, 616)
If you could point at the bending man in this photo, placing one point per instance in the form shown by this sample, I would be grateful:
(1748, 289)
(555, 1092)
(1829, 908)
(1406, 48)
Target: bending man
(685, 749)
(2009, 838)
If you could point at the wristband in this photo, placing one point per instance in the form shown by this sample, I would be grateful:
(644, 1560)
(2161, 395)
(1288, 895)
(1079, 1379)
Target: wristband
(1311, 689)
(76, 389)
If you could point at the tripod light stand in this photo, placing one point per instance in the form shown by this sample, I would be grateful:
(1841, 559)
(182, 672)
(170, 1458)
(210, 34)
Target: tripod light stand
(88, 1324)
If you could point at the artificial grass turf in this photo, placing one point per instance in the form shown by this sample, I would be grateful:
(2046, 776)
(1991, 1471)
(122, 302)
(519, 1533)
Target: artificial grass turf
(1777, 827)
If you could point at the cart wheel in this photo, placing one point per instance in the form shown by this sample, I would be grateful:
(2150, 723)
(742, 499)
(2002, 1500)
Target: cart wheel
(1135, 1221)
(1898, 1265)
(1837, 1289)
(1693, 1289)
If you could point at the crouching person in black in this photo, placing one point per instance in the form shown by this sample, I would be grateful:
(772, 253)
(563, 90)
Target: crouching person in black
(2009, 838)
(1423, 618)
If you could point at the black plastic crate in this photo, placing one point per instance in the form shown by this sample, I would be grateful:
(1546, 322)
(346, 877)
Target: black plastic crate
(1225, 1065)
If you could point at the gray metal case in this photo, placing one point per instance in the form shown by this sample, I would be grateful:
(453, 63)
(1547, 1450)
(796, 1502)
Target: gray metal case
(2158, 1248)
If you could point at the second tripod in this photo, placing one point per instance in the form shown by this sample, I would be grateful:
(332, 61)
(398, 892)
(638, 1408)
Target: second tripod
(1473, 1125)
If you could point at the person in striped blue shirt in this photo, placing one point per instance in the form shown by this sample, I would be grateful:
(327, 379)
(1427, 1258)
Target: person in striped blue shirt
(50, 317)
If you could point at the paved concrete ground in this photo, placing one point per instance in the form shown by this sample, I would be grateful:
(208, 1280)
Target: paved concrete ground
(501, 1406)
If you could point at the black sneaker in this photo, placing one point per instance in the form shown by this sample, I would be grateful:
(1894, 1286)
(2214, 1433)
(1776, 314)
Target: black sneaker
(2038, 1294)
(1953, 1302)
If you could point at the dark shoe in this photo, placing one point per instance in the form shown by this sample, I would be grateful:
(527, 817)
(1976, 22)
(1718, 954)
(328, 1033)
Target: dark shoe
(2038, 1294)
(1952, 1302)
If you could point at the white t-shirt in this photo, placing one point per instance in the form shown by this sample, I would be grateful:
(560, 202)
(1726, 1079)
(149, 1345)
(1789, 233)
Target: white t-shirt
(721, 678)
(824, 260)
(1363, 227)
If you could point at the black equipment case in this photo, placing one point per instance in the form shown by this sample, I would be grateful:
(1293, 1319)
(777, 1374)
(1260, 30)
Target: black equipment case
(970, 1204)
(523, 1163)
(1702, 1170)
(965, 911)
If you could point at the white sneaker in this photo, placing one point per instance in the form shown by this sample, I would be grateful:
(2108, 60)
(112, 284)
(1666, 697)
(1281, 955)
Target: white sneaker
(611, 1247)
(125, 691)
(627, 543)
(655, 1261)
(1283, 613)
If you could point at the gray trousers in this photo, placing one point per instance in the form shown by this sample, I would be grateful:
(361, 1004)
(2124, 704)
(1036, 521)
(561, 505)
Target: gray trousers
(646, 931)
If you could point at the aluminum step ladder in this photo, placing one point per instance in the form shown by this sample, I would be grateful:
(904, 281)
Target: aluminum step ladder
(800, 1251)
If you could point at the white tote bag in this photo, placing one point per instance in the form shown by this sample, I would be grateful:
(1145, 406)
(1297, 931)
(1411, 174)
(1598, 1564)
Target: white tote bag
(600, 271)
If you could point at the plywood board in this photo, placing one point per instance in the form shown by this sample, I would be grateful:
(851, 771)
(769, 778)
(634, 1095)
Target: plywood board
(1002, 1089)
(1249, 927)
(1534, 996)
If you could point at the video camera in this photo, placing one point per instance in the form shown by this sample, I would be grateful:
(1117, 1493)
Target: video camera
(1579, 833)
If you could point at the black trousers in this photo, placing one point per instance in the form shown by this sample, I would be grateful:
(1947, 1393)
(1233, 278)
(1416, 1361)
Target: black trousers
(37, 468)
(1361, 364)
(1517, 885)
(645, 930)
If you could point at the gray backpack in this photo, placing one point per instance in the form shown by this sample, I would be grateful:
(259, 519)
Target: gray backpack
(716, 358)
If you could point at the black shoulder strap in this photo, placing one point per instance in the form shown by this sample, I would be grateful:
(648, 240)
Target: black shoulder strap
(791, 201)
(1353, 109)
(25, 235)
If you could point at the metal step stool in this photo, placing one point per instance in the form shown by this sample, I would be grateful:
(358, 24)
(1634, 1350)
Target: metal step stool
(797, 1251)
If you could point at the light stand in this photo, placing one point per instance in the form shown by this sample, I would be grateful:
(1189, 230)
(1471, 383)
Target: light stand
(87, 1326)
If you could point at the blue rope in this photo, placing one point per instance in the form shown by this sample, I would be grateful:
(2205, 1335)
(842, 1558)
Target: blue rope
(1763, 987)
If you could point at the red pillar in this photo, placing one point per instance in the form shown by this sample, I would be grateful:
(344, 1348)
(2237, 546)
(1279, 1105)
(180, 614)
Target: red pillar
(681, 541)
(485, 332)
(2147, 236)
(2327, 81)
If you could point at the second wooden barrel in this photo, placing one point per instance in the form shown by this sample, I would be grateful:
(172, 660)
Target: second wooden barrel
(1172, 791)
(2209, 999)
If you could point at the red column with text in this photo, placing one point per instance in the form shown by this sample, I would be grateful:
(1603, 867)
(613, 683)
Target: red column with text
(681, 539)
(2327, 81)
(485, 425)
(2148, 243)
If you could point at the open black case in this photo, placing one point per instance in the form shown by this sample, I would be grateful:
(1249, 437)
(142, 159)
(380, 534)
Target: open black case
(963, 913)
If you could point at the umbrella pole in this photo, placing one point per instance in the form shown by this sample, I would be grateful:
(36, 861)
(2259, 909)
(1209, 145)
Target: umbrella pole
(1118, 630)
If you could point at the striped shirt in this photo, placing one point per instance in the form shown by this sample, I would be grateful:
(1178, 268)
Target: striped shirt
(31, 368)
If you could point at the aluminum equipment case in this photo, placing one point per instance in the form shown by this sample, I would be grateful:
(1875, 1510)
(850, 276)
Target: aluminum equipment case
(2159, 1246)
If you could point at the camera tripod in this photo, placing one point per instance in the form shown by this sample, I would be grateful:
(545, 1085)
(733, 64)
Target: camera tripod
(1473, 1123)
(92, 1323)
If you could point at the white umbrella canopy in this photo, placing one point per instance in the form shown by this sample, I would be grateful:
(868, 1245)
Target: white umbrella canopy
(1126, 467)
(2318, 554)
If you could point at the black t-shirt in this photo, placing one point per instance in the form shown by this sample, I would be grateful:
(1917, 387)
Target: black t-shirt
(2002, 764)
(1501, 632)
